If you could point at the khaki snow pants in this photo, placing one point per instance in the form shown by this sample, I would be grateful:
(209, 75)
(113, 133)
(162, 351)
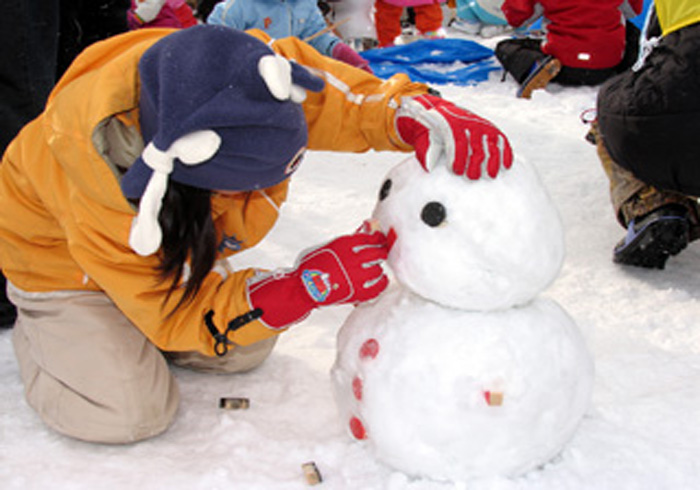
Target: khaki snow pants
(633, 198)
(91, 374)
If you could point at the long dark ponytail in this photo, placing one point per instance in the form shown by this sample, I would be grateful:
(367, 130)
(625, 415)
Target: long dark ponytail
(188, 233)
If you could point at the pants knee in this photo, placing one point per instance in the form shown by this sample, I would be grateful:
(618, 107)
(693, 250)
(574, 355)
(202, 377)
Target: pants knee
(140, 413)
(238, 360)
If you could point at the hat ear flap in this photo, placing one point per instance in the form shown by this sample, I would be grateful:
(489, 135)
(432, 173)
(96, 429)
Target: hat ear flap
(297, 94)
(193, 148)
(286, 79)
(303, 78)
(146, 236)
(196, 147)
(277, 74)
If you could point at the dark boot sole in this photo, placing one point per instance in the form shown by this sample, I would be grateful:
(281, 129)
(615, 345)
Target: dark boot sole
(654, 244)
(540, 79)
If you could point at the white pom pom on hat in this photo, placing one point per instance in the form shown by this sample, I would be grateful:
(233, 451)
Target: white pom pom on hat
(192, 149)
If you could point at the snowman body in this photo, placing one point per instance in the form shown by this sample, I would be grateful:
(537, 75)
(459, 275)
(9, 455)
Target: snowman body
(461, 369)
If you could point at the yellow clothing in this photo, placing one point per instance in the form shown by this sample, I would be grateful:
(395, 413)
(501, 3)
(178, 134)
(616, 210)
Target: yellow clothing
(65, 222)
(676, 14)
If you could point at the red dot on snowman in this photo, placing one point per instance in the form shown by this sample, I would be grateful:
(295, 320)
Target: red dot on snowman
(357, 388)
(357, 429)
(369, 349)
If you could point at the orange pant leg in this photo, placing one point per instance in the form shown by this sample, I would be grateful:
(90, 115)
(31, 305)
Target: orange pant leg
(428, 17)
(387, 20)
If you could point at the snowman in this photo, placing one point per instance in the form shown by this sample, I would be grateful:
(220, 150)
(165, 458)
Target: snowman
(461, 369)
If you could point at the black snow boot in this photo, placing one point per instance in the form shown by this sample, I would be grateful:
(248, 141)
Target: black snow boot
(653, 238)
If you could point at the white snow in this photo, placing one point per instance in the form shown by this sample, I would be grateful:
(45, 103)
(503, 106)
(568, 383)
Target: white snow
(642, 431)
(423, 399)
(471, 373)
(499, 244)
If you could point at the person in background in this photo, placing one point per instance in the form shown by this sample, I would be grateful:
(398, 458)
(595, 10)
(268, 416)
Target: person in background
(41, 38)
(160, 13)
(647, 138)
(587, 42)
(284, 18)
(480, 17)
(427, 16)
(161, 153)
(202, 8)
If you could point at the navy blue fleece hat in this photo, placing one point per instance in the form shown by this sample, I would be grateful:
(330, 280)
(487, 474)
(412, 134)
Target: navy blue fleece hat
(219, 110)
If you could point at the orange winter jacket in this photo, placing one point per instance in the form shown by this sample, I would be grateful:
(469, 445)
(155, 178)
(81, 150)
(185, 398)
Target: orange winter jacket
(65, 222)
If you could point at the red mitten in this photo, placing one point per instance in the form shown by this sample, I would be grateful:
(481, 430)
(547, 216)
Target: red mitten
(439, 129)
(343, 52)
(346, 270)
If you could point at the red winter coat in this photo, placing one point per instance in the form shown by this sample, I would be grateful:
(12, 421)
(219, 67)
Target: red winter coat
(580, 33)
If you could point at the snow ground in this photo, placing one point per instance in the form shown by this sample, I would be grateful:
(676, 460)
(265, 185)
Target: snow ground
(642, 431)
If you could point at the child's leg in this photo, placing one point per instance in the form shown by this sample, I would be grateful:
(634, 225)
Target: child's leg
(583, 76)
(387, 20)
(518, 56)
(659, 223)
(428, 17)
(237, 360)
(623, 185)
(631, 198)
(88, 371)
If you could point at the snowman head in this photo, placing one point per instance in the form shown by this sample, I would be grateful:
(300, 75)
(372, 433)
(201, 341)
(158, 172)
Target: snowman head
(476, 245)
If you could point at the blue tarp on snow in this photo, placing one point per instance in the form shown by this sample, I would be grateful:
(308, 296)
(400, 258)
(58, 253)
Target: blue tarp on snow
(438, 61)
(639, 20)
(442, 61)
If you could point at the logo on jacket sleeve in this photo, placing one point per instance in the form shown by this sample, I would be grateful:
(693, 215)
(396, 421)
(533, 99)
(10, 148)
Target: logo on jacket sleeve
(230, 242)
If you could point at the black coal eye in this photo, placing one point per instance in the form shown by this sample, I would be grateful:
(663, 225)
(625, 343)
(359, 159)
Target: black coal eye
(433, 214)
(384, 191)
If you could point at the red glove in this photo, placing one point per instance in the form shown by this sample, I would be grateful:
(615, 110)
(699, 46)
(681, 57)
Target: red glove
(343, 52)
(346, 270)
(439, 129)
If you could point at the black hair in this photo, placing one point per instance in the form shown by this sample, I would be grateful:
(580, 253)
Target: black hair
(188, 233)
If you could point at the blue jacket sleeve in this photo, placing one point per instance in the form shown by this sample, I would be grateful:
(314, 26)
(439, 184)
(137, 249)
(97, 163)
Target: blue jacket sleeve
(229, 13)
(315, 22)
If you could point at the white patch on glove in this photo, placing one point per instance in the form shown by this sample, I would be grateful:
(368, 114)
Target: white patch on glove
(442, 143)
